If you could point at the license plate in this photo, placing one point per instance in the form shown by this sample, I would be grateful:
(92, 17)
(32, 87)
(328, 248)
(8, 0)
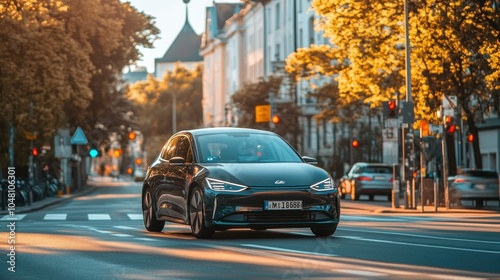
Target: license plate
(480, 186)
(379, 178)
(283, 205)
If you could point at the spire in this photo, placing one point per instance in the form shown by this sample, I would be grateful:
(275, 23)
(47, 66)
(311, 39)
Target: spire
(186, 2)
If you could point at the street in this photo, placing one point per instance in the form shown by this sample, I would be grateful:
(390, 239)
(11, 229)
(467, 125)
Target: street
(100, 235)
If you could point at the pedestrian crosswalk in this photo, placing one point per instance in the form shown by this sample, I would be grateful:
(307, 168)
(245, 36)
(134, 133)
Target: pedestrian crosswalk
(72, 217)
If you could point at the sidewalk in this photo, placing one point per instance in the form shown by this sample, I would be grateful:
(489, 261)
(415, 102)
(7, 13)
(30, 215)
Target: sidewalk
(48, 201)
(491, 207)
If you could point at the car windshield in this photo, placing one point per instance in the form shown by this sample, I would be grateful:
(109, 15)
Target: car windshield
(240, 147)
(479, 173)
(377, 169)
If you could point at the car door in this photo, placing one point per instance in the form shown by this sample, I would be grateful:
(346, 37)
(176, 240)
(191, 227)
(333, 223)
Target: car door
(162, 180)
(179, 176)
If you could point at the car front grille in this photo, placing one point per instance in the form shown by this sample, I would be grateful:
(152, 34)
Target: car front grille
(278, 217)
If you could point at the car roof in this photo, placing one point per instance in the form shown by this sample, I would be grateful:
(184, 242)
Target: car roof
(373, 164)
(212, 130)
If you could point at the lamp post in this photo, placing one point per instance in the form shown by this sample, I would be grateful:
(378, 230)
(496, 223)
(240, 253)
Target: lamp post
(174, 107)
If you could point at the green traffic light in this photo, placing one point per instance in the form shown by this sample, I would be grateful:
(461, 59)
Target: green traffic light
(94, 153)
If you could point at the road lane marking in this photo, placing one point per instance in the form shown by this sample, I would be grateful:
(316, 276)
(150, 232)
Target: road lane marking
(99, 217)
(55, 217)
(17, 217)
(135, 216)
(126, 227)
(121, 234)
(420, 245)
(422, 236)
(287, 250)
(360, 272)
(145, 239)
(455, 277)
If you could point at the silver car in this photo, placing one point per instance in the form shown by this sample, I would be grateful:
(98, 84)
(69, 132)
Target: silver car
(475, 184)
(367, 179)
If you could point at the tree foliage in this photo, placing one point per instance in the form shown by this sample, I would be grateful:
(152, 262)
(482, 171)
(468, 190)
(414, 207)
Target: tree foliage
(253, 94)
(60, 63)
(154, 99)
(454, 51)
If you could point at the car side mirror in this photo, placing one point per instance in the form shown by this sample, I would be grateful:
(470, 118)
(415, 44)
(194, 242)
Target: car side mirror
(177, 160)
(310, 160)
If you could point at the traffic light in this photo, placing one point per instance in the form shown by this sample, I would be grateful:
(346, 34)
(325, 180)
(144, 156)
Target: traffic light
(390, 109)
(276, 119)
(94, 153)
(470, 137)
(449, 125)
(355, 143)
(132, 135)
(35, 152)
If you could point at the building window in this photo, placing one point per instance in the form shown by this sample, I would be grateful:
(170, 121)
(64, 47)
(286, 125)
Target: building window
(277, 16)
(311, 31)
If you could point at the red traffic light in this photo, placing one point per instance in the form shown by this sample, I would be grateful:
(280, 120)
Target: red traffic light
(35, 152)
(132, 135)
(392, 109)
(450, 129)
(470, 138)
(355, 143)
(276, 119)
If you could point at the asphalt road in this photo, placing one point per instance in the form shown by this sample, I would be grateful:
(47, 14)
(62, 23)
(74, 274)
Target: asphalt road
(101, 236)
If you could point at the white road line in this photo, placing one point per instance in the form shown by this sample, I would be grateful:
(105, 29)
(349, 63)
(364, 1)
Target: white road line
(13, 218)
(420, 245)
(126, 227)
(135, 216)
(287, 250)
(360, 272)
(121, 234)
(99, 217)
(145, 239)
(55, 217)
(454, 277)
(421, 236)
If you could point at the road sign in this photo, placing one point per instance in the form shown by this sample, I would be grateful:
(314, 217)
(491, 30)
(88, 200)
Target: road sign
(449, 104)
(262, 113)
(79, 137)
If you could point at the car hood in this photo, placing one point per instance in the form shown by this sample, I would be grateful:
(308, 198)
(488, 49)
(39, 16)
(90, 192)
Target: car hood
(267, 174)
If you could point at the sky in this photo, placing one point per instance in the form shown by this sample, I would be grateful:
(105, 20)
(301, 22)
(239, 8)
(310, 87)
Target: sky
(169, 18)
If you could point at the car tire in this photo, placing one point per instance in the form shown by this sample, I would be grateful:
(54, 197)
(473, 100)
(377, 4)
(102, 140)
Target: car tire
(323, 231)
(149, 214)
(196, 212)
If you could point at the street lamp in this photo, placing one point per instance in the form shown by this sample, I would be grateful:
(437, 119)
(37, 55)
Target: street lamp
(174, 108)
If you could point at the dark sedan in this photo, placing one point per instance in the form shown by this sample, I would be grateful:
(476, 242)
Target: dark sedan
(221, 178)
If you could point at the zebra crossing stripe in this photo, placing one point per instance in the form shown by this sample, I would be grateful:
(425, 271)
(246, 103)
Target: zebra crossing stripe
(55, 216)
(99, 217)
(13, 218)
(135, 216)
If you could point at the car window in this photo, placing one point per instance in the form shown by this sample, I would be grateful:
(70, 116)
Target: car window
(479, 173)
(182, 147)
(168, 151)
(378, 169)
(244, 148)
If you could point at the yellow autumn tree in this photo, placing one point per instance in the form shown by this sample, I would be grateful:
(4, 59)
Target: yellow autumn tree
(454, 51)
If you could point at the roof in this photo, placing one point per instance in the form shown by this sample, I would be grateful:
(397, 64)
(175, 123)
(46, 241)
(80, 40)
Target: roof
(211, 130)
(185, 48)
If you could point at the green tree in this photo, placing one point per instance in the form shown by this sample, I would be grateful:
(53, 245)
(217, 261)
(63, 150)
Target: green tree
(60, 63)
(154, 98)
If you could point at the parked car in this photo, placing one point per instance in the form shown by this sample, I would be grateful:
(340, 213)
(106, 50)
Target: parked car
(222, 178)
(139, 174)
(475, 184)
(367, 179)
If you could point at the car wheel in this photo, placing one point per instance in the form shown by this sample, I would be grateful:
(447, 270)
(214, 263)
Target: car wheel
(149, 214)
(323, 231)
(196, 210)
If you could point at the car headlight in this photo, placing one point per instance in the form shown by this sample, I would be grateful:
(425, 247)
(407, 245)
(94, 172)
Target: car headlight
(325, 185)
(218, 185)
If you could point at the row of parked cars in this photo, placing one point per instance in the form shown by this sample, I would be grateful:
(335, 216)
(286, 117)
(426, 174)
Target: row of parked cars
(377, 179)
